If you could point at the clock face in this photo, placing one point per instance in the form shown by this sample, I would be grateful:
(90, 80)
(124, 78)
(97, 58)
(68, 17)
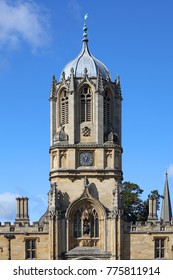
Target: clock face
(86, 159)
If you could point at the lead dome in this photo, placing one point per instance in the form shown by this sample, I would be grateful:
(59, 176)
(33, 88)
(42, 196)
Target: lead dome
(85, 61)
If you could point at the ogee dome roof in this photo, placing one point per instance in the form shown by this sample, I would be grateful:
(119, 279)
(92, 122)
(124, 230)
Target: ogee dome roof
(85, 60)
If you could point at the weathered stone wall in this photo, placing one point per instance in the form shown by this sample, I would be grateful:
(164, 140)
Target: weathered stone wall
(18, 248)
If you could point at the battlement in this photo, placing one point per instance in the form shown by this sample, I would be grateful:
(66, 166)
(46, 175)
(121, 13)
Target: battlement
(153, 226)
(23, 227)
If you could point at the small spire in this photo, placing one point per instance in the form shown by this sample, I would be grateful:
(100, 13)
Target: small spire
(53, 88)
(85, 28)
(166, 211)
(117, 79)
(71, 86)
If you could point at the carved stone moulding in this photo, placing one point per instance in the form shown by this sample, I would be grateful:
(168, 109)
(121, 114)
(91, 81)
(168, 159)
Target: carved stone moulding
(87, 242)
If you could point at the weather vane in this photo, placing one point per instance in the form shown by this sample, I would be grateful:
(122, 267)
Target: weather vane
(85, 27)
(85, 17)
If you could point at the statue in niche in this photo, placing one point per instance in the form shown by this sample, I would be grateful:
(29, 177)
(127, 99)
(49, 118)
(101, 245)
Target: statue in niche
(86, 227)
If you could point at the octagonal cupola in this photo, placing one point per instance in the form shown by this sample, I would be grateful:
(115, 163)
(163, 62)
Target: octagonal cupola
(85, 62)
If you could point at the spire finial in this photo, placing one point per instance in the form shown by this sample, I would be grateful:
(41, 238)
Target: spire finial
(86, 181)
(85, 28)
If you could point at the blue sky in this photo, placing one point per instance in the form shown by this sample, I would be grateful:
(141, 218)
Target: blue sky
(37, 38)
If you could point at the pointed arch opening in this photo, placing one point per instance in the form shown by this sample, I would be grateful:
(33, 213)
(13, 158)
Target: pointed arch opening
(64, 107)
(86, 223)
(85, 104)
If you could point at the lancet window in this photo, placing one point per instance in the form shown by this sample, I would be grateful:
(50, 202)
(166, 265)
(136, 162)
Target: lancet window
(86, 104)
(64, 108)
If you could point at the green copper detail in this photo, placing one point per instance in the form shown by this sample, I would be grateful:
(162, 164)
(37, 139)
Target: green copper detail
(85, 28)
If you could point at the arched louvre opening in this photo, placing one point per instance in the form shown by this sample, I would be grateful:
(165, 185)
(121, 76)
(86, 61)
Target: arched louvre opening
(107, 109)
(64, 108)
(86, 104)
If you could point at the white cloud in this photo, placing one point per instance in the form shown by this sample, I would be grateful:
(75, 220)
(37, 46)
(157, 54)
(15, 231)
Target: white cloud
(75, 9)
(170, 170)
(37, 207)
(23, 21)
(7, 206)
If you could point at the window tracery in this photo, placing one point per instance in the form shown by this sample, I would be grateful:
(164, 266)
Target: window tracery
(86, 104)
(86, 223)
(64, 108)
(77, 224)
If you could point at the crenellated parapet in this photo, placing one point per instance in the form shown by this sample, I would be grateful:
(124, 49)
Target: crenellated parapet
(151, 227)
(23, 228)
(22, 224)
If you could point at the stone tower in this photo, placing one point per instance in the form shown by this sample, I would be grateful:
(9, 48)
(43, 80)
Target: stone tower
(84, 219)
(85, 160)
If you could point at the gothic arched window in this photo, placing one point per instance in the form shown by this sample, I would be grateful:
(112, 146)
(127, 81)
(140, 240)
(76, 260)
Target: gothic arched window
(85, 104)
(77, 224)
(86, 222)
(64, 108)
(107, 109)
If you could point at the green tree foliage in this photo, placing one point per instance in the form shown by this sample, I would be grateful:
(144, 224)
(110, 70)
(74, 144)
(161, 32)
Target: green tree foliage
(135, 209)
